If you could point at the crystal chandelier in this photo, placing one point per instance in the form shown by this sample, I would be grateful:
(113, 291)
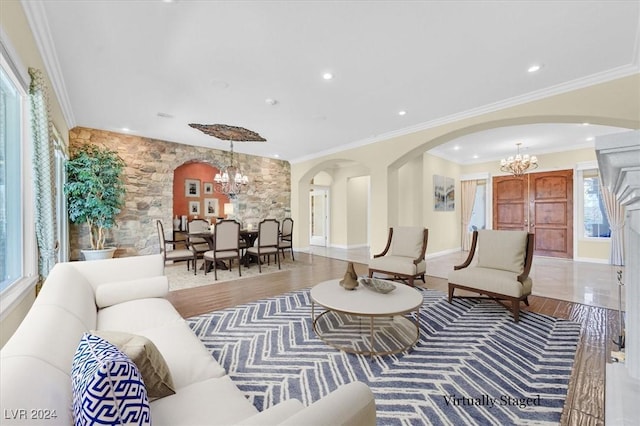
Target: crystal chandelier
(519, 164)
(230, 180)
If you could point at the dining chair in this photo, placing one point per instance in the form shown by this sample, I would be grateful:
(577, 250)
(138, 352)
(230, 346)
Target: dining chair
(174, 254)
(267, 242)
(226, 246)
(286, 237)
(198, 244)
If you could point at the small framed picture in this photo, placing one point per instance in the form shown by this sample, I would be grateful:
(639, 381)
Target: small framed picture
(192, 188)
(211, 208)
(194, 207)
(208, 188)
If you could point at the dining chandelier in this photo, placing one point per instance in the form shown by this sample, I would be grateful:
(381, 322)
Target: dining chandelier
(517, 165)
(230, 180)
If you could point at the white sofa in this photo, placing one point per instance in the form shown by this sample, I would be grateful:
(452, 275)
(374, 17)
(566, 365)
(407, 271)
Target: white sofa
(127, 294)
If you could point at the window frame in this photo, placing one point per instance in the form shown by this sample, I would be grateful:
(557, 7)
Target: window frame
(15, 293)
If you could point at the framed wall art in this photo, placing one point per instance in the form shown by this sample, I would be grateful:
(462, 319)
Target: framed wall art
(192, 188)
(211, 207)
(207, 188)
(443, 194)
(194, 208)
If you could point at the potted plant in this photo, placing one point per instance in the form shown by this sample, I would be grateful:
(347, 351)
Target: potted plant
(95, 194)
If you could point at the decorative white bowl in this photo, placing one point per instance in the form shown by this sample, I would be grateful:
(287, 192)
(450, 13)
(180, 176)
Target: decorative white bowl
(380, 286)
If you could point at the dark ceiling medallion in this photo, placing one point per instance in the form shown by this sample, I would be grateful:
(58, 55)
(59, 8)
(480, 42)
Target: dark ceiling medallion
(228, 133)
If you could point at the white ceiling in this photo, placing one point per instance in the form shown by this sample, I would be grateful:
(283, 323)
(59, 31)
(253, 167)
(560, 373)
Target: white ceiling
(154, 66)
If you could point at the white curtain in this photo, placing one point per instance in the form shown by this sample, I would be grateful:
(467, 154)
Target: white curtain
(468, 190)
(615, 214)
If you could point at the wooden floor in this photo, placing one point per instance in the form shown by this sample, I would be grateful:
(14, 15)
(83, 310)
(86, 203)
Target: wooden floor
(585, 400)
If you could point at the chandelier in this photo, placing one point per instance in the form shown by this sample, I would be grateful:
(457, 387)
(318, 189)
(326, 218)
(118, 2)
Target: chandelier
(230, 180)
(519, 164)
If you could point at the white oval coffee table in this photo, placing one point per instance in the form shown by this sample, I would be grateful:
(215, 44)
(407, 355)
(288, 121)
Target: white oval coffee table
(365, 322)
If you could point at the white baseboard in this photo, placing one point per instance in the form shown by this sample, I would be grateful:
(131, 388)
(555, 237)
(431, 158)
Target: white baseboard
(443, 253)
(348, 247)
(590, 260)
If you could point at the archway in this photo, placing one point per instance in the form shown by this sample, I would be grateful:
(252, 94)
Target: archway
(347, 188)
(194, 195)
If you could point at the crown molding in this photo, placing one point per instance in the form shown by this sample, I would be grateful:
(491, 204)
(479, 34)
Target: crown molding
(591, 80)
(37, 18)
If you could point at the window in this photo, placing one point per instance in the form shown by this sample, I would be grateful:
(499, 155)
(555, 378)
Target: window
(11, 201)
(478, 215)
(595, 223)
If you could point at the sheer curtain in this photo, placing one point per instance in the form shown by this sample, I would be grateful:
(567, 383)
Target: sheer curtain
(468, 190)
(615, 214)
(43, 173)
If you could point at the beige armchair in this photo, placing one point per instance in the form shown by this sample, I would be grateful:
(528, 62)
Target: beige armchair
(403, 257)
(501, 268)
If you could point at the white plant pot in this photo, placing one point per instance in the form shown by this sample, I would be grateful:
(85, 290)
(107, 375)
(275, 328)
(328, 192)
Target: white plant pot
(106, 253)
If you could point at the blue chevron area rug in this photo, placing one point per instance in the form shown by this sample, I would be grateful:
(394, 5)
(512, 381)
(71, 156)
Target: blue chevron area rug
(472, 365)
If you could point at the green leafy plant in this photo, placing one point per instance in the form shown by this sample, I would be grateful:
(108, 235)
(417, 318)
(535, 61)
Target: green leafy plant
(95, 190)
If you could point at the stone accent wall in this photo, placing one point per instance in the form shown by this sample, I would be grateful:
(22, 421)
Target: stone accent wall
(149, 182)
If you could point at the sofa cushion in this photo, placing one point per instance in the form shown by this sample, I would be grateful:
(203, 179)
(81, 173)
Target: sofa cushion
(136, 315)
(187, 358)
(503, 250)
(211, 402)
(107, 386)
(157, 319)
(108, 294)
(153, 368)
(407, 241)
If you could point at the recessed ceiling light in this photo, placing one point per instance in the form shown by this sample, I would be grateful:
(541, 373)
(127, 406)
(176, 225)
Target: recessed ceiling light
(534, 68)
(276, 155)
(126, 129)
(590, 138)
(270, 101)
(585, 124)
(403, 112)
(327, 76)
(456, 148)
(475, 156)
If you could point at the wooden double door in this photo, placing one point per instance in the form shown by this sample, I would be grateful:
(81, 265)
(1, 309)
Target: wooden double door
(541, 203)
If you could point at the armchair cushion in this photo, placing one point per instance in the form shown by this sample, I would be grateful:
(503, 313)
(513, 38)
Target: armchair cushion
(398, 264)
(407, 241)
(504, 250)
(491, 280)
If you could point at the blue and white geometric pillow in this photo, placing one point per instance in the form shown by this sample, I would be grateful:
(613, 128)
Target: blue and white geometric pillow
(107, 386)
